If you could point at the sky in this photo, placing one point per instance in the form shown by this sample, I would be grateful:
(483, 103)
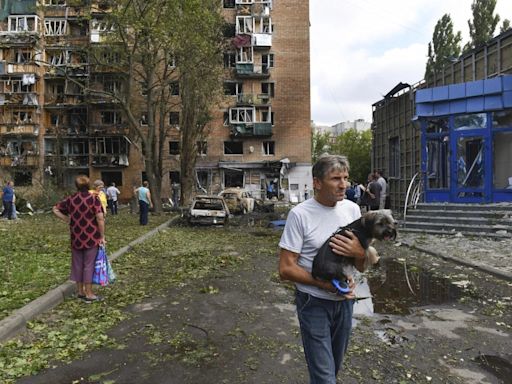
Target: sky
(361, 49)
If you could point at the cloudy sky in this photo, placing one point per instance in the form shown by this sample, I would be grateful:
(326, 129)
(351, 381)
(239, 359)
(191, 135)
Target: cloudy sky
(361, 49)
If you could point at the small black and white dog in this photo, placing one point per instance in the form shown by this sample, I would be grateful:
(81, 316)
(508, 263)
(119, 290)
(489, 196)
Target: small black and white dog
(373, 225)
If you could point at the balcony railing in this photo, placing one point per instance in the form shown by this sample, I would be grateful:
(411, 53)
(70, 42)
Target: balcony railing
(22, 129)
(30, 160)
(251, 130)
(251, 70)
(252, 99)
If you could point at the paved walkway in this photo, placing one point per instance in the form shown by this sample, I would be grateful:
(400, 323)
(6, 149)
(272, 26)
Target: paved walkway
(490, 255)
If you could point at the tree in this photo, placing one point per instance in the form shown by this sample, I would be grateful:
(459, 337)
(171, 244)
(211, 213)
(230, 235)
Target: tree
(160, 47)
(357, 146)
(505, 26)
(320, 144)
(199, 62)
(444, 46)
(484, 23)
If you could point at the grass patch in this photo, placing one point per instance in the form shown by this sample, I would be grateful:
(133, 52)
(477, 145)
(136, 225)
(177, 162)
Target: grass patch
(36, 253)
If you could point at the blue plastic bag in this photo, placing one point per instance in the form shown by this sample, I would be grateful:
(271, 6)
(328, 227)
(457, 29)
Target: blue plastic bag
(100, 274)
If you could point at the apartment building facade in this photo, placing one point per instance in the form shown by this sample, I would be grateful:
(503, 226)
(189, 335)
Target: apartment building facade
(260, 134)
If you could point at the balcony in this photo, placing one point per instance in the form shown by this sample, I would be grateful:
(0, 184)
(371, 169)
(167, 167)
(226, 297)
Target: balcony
(19, 129)
(28, 160)
(17, 68)
(252, 99)
(110, 160)
(67, 161)
(250, 70)
(251, 130)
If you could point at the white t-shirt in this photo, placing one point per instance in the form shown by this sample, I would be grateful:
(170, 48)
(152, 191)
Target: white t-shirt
(308, 226)
(112, 192)
(383, 184)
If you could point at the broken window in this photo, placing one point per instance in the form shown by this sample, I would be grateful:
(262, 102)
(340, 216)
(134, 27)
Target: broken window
(22, 23)
(226, 118)
(112, 86)
(269, 148)
(59, 57)
(144, 119)
(23, 55)
(202, 147)
(267, 89)
(244, 24)
(22, 117)
(174, 177)
(233, 148)
(241, 115)
(229, 59)
(110, 177)
(174, 86)
(232, 88)
(244, 55)
(60, 3)
(174, 147)
(22, 179)
(111, 117)
(267, 61)
(55, 27)
(229, 3)
(174, 118)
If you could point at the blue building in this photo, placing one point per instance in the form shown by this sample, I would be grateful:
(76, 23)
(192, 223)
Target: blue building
(466, 141)
(449, 137)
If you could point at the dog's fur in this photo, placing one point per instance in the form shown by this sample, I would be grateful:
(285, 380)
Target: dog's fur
(373, 225)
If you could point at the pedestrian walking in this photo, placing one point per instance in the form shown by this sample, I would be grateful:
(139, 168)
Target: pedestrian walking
(112, 197)
(325, 317)
(145, 203)
(83, 212)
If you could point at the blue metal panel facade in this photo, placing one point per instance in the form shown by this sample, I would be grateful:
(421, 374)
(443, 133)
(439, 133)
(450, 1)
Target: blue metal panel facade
(466, 150)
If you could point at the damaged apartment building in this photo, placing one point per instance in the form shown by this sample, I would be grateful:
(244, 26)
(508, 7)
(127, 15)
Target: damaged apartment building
(260, 135)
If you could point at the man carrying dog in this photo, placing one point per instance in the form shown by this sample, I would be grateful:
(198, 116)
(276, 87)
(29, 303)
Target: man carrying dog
(325, 317)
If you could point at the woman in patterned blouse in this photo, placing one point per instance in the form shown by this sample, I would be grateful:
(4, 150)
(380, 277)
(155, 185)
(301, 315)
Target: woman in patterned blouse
(83, 212)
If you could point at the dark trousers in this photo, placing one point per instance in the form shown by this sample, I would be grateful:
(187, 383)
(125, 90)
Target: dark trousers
(143, 212)
(112, 205)
(7, 209)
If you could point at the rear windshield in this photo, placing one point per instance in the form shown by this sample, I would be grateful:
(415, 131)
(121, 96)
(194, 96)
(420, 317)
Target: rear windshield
(213, 205)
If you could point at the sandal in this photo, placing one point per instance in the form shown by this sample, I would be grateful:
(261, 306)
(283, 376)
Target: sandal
(90, 300)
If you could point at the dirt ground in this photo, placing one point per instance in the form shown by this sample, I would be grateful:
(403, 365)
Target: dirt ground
(429, 321)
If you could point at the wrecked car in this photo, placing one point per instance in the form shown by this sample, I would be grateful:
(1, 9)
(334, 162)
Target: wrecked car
(239, 200)
(208, 210)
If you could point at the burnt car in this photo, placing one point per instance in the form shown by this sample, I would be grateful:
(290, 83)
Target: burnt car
(239, 200)
(208, 210)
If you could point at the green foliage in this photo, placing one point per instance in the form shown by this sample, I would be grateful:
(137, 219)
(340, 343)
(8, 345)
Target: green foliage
(320, 143)
(36, 254)
(483, 25)
(505, 26)
(445, 45)
(175, 256)
(357, 146)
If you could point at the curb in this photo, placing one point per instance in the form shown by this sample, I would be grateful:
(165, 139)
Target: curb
(493, 271)
(17, 321)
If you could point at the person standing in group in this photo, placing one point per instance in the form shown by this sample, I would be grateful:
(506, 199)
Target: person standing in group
(374, 191)
(99, 192)
(383, 188)
(8, 200)
(112, 196)
(83, 212)
(325, 317)
(145, 203)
